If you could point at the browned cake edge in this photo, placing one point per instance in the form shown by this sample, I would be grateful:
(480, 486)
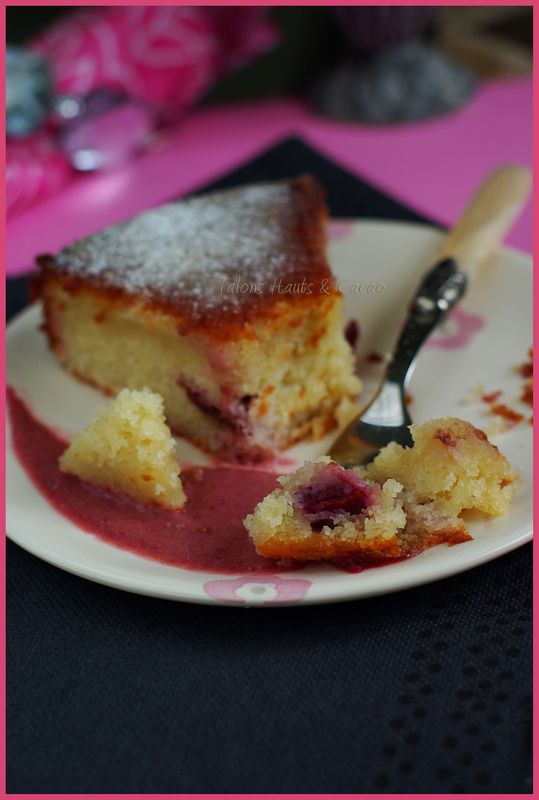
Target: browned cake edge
(226, 321)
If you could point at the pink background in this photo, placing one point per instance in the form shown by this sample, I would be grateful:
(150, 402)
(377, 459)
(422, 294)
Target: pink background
(433, 166)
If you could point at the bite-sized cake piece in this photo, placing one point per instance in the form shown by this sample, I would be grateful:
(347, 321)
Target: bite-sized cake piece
(451, 463)
(224, 304)
(325, 511)
(129, 449)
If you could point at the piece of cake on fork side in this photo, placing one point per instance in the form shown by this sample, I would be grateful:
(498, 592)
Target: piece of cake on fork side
(405, 501)
(224, 304)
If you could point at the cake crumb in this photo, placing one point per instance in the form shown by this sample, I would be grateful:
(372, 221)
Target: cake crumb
(513, 417)
(129, 449)
(492, 396)
(474, 395)
(527, 394)
(374, 358)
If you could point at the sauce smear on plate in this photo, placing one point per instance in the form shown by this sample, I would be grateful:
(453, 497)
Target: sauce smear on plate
(206, 535)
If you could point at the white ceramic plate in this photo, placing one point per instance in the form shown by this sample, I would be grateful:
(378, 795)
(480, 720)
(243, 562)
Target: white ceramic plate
(483, 342)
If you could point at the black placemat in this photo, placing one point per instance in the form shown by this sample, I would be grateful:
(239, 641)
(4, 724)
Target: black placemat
(428, 690)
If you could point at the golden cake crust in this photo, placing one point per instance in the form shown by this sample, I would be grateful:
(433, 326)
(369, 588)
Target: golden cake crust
(217, 263)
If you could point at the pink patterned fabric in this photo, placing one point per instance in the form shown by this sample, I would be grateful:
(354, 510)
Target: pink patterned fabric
(164, 55)
(35, 169)
(167, 56)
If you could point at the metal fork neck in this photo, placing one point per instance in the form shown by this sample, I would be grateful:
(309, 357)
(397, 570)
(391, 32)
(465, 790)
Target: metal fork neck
(441, 289)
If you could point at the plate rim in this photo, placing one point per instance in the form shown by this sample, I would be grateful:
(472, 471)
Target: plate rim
(113, 580)
(184, 593)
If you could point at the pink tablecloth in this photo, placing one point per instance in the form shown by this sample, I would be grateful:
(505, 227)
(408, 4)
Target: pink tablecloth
(433, 166)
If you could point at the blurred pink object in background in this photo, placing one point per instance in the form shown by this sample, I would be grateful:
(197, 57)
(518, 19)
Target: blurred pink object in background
(108, 133)
(165, 57)
(35, 169)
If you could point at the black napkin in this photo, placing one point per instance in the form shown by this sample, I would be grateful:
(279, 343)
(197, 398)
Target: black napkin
(428, 690)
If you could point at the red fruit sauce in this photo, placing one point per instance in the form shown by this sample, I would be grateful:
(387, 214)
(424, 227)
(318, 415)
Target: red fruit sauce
(206, 535)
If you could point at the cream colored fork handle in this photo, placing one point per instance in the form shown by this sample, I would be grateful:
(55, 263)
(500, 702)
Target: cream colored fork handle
(487, 218)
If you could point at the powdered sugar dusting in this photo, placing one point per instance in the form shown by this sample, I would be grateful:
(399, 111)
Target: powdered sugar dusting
(193, 249)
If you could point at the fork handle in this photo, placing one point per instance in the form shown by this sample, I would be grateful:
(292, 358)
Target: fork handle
(478, 232)
(487, 217)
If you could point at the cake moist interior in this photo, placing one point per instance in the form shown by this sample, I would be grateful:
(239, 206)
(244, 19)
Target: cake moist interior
(332, 493)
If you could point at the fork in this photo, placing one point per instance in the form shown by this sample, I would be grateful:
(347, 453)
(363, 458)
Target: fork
(478, 232)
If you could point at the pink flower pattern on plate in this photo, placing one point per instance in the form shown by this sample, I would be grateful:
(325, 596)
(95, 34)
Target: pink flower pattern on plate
(278, 590)
(457, 331)
(340, 229)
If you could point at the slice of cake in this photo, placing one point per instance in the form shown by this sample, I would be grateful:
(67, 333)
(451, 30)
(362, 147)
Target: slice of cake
(224, 304)
(451, 463)
(129, 449)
